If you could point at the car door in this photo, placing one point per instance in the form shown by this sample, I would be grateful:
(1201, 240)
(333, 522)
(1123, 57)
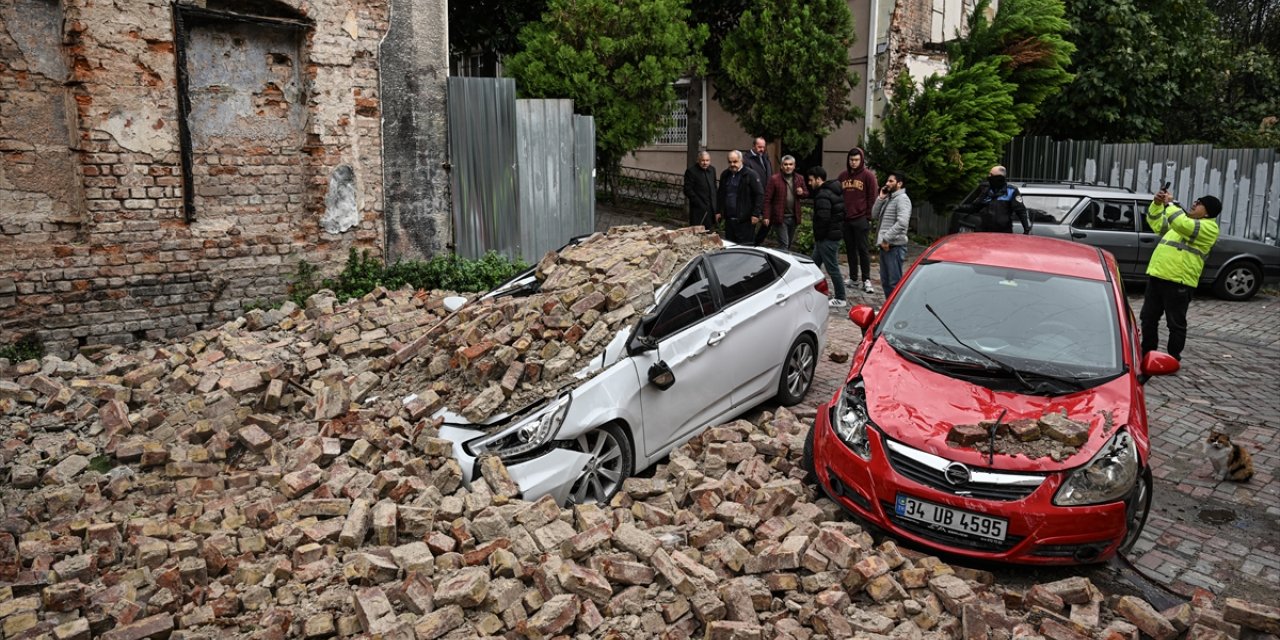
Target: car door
(1110, 224)
(686, 330)
(755, 326)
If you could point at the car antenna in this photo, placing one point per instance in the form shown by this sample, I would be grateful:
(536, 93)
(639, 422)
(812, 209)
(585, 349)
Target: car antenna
(991, 452)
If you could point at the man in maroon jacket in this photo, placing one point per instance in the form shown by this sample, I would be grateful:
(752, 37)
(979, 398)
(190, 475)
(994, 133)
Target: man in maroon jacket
(782, 203)
(860, 190)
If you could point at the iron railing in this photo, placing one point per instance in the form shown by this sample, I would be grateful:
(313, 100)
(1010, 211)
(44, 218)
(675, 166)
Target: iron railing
(643, 186)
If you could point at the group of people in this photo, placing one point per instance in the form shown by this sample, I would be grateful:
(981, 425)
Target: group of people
(754, 202)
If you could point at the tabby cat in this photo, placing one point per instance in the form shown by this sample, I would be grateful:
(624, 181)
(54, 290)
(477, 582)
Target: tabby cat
(1230, 461)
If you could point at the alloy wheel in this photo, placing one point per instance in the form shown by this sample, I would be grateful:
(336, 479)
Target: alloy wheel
(605, 470)
(800, 367)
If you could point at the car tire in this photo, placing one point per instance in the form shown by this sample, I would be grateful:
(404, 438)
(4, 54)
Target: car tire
(806, 458)
(612, 461)
(797, 371)
(1136, 513)
(1239, 280)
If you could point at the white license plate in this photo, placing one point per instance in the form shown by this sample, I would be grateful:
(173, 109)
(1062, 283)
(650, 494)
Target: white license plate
(950, 519)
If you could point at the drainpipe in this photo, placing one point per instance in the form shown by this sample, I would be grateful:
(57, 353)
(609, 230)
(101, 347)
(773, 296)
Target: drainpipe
(872, 15)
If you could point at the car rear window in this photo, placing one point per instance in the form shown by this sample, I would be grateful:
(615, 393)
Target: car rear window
(1049, 209)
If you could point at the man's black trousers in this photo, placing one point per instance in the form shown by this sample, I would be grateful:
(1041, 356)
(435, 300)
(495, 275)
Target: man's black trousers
(1171, 300)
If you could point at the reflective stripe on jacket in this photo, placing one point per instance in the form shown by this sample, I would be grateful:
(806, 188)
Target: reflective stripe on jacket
(1184, 244)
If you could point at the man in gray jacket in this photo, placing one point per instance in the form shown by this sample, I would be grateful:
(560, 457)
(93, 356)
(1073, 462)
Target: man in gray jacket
(893, 209)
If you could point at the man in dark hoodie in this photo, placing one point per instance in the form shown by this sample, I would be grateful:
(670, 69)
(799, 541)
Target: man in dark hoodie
(828, 218)
(859, 187)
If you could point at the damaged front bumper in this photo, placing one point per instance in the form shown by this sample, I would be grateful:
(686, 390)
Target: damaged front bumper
(552, 473)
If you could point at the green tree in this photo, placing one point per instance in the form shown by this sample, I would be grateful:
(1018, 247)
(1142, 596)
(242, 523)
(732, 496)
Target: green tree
(616, 59)
(947, 133)
(786, 70)
(1027, 38)
(1141, 68)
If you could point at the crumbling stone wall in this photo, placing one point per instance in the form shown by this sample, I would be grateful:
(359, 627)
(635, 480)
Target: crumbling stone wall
(97, 243)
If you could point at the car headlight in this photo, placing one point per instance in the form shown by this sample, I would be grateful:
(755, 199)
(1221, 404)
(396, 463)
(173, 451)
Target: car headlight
(527, 434)
(850, 419)
(1108, 477)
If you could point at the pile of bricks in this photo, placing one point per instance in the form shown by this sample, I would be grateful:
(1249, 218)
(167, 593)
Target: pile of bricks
(1053, 435)
(502, 354)
(259, 480)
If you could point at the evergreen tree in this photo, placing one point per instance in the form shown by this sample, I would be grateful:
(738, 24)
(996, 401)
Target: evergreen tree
(1027, 38)
(616, 59)
(786, 70)
(946, 134)
(489, 27)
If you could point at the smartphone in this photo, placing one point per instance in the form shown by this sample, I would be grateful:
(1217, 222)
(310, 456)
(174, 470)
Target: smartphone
(1166, 185)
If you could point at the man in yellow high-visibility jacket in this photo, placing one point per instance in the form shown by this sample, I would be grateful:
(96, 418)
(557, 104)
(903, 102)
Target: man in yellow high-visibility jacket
(1186, 237)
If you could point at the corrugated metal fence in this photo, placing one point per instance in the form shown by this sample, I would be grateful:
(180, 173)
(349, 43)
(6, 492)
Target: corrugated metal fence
(1246, 180)
(523, 170)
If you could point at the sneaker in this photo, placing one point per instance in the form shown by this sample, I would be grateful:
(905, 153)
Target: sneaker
(849, 284)
(866, 287)
(836, 303)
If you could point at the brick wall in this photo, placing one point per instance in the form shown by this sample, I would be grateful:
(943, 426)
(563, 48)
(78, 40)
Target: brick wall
(96, 245)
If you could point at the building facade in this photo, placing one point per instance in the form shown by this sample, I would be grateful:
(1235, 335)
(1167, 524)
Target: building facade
(165, 163)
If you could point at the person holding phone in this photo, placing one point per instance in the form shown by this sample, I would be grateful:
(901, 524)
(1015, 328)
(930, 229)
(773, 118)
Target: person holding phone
(1186, 237)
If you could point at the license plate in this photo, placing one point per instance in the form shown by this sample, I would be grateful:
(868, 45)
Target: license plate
(955, 520)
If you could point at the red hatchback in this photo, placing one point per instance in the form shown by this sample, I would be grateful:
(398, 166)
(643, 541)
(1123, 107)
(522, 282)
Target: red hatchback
(995, 408)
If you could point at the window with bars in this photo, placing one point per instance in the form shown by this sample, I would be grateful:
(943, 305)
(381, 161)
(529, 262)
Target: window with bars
(677, 131)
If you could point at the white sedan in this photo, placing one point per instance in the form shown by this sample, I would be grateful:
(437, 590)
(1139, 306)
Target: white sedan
(731, 329)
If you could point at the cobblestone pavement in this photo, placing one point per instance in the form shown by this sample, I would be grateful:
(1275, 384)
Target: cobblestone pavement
(1201, 533)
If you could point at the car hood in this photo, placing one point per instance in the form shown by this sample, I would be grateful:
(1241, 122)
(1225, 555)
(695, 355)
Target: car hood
(918, 407)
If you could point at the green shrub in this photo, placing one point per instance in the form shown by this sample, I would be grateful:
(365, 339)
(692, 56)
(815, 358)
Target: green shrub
(364, 272)
(26, 348)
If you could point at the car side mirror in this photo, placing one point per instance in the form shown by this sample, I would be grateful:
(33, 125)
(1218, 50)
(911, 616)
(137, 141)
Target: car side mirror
(1155, 363)
(639, 342)
(661, 375)
(862, 315)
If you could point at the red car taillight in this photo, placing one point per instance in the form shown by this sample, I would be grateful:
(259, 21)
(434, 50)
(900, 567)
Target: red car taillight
(822, 287)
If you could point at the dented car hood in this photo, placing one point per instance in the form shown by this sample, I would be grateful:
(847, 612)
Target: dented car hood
(919, 407)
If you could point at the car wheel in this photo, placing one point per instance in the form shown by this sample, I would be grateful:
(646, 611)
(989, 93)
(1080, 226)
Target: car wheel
(1136, 513)
(1239, 281)
(612, 461)
(797, 371)
(806, 459)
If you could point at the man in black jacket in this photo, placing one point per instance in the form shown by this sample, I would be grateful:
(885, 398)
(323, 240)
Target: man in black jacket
(700, 191)
(995, 207)
(828, 221)
(739, 201)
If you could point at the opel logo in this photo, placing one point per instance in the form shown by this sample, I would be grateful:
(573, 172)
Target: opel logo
(956, 474)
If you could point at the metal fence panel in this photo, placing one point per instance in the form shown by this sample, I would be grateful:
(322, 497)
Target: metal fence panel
(1246, 180)
(518, 170)
(584, 152)
(547, 152)
(482, 145)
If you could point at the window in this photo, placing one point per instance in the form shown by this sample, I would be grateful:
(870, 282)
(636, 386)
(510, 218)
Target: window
(689, 304)
(1049, 209)
(741, 274)
(676, 132)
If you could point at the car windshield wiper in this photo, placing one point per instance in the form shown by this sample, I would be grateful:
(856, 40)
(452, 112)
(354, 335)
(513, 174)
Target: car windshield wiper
(1003, 366)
